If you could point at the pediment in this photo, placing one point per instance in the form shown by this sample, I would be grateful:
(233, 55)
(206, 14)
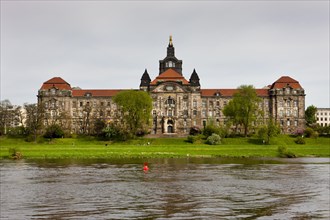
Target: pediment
(169, 87)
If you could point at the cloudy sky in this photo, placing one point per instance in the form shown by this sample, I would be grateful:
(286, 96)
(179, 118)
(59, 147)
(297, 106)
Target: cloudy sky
(108, 44)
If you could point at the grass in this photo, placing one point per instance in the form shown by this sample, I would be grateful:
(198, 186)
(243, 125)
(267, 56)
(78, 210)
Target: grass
(160, 148)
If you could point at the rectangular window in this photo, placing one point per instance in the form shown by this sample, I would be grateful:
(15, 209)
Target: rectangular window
(288, 123)
(195, 104)
(204, 113)
(102, 103)
(296, 123)
(295, 103)
(108, 113)
(195, 112)
(204, 104)
(109, 104)
(81, 104)
(218, 103)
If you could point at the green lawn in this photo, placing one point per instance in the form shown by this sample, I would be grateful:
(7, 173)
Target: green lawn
(161, 148)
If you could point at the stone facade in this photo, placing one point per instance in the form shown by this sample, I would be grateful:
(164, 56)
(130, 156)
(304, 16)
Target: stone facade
(178, 103)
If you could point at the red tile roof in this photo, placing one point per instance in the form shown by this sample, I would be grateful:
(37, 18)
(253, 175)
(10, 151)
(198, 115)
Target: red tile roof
(170, 75)
(285, 81)
(56, 82)
(229, 92)
(96, 92)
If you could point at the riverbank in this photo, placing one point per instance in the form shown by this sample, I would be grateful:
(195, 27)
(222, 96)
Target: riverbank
(160, 148)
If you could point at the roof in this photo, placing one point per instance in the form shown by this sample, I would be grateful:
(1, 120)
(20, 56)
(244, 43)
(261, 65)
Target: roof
(96, 92)
(56, 82)
(285, 81)
(229, 92)
(170, 75)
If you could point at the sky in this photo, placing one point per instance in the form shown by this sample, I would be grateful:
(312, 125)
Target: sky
(109, 44)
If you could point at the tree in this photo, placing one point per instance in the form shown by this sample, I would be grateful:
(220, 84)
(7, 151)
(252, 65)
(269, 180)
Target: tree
(243, 108)
(310, 115)
(134, 109)
(10, 116)
(34, 118)
(268, 131)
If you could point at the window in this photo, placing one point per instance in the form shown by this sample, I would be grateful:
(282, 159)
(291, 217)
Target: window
(101, 113)
(203, 113)
(185, 112)
(210, 113)
(169, 113)
(288, 123)
(74, 104)
(81, 104)
(288, 112)
(108, 113)
(295, 123)
(53, 91)
(195, 112)
(154, 113)
(102, 103)
(281, 113)
(211, 104)
(195, 104)
(169, 101)
(295, 103)
(288, 103)
(109, 104)
(218, 103)
(204, 104)
(287, 90)
(280, 103)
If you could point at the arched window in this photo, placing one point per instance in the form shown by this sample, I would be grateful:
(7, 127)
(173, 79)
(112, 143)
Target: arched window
(170, 101)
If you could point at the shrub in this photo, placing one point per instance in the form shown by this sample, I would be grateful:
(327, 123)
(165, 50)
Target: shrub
(54, 131)
(300, 140)
(211, 129)
(214, 139)
(309, 132)
(14, 153)
(284, 152)
(195, 139)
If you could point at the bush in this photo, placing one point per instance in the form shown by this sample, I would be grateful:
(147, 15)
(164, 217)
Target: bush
(284, 152)
(214, 139)
(54, 131)
(309, 132)
(211, 129)
(300, 140)
(195, 139)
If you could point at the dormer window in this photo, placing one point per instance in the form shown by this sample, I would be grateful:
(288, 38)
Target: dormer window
(53, 91)
(170, 64)
(287, 90)
(88, 94)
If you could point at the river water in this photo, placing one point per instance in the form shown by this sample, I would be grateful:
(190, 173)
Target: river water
(171, 189)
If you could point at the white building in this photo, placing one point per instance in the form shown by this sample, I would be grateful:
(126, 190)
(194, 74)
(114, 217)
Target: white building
(323, 117)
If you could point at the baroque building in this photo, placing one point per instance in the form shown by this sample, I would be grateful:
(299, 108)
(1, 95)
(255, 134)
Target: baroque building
(178, 103)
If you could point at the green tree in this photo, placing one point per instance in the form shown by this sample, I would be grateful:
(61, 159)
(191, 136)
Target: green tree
(243, 108)
(271, 129)
(134, 109)
(54, 131)
(310, 115)
(34, 119)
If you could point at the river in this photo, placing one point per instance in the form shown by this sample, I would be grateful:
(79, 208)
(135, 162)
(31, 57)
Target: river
(187, 188)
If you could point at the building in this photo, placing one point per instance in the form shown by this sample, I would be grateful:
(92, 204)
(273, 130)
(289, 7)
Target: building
(323, 117)
(178, 103)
